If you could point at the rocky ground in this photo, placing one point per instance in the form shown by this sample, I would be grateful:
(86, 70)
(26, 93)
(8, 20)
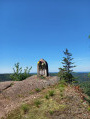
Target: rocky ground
(14, 93)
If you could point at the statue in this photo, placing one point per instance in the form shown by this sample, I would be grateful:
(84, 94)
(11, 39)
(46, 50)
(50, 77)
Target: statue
(42, 68)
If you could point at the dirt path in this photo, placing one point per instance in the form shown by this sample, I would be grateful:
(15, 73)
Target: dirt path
(14, 93)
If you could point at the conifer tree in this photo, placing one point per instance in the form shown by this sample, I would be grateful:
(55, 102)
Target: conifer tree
(66, 72)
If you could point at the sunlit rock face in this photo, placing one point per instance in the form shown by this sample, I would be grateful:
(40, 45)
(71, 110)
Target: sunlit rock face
(42, 68)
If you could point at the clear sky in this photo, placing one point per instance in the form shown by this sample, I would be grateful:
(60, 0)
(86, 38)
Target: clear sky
(35, 29)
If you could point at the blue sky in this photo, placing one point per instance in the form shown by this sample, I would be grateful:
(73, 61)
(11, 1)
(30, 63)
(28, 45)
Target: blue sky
(35, 29)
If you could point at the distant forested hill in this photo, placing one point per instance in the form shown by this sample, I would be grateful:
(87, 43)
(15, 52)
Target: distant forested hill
(5, 77)
(81, 77)
(84, 82)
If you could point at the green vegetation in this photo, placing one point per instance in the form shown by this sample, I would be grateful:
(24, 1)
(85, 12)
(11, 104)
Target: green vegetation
(86, 87)
(89, 75)
(62, 85)
(24, 108)
(37, 103)
(5, 77)
(18, 75)
(37, 90)
(88, 108)
(51, 112)
(20, 95)
(53, 74)
(65, 72)
(89, 36)
(47, 96)
(51, 93)
(84, 81)
(42, 77)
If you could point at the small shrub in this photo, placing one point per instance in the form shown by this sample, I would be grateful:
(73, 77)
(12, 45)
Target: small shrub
(62, 85)
(37, 103)
(25, 108)
(51, 93)
(74, 82)
(81, 101)
(42, 77)
(61, 94)
(18, 75)
(37, 90)
(51, 112)
(20, 95)
(88, 108)
(62, 82)
(61, 89)
(47, 96)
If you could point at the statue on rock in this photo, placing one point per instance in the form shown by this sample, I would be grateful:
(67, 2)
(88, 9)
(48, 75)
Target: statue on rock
(42, 68)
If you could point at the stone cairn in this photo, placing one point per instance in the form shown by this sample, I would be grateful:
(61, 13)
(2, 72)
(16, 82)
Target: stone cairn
(42, 68)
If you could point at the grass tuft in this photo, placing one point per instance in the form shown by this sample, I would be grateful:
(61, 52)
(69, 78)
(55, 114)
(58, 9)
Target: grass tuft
(37, 90)
(88, 108)
(47, 96)
(25, 108)
(37, 103)
(51, 93)
(51, 112)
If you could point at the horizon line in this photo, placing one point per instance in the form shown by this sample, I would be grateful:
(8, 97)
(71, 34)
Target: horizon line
(54, 72)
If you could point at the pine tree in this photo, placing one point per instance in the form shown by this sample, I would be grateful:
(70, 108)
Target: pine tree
(66, 72)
